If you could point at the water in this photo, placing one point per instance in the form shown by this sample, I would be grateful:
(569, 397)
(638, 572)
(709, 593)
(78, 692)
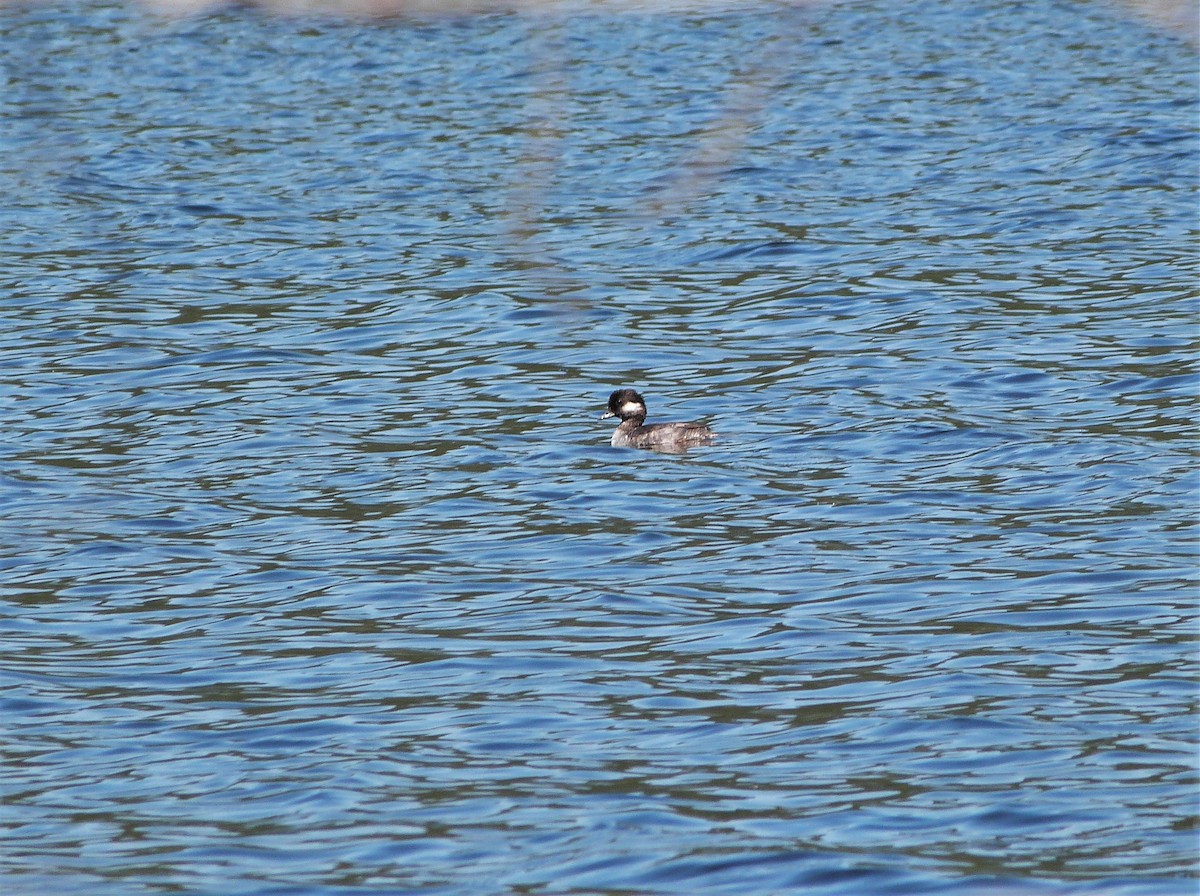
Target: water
(320, 577)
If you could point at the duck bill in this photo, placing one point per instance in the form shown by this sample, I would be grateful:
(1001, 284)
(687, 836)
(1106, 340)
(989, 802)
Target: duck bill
(606, 415)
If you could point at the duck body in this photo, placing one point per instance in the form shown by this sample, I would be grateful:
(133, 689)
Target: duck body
(671, 438)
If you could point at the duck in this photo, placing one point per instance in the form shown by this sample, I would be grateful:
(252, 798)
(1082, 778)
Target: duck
(670, 438)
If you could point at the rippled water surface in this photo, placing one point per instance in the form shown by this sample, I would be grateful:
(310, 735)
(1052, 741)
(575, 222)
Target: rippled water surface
(319, 575)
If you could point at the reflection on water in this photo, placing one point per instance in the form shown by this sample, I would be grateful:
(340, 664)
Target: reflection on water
(321, 576)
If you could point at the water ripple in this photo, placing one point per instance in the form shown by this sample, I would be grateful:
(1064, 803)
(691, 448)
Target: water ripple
(321, 577)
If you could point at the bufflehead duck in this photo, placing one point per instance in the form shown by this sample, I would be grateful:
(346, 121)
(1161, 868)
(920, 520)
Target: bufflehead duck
(674, 438)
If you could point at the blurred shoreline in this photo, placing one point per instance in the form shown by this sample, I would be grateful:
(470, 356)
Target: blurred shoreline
(1179, 16)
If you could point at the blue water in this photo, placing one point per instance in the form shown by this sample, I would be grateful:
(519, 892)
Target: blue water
(319, 575)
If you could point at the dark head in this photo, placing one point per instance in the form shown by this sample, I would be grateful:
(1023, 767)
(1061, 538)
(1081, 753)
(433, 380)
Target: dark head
(625, 403)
